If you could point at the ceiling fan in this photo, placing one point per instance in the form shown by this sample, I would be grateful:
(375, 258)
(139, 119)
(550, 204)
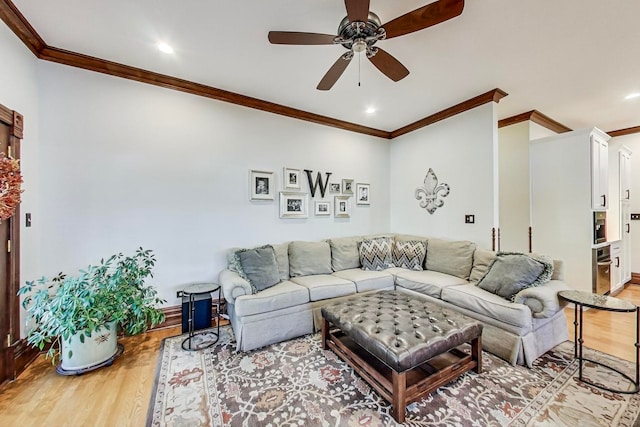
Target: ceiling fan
(361, 29)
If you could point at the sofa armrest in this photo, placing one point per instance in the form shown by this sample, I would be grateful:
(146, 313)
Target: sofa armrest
(543, 300)
(233, 285)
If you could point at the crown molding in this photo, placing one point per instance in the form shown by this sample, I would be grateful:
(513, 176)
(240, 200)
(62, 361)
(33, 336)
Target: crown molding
(16, 21)
(536, 117)
(625, 131)
(10, 14)
(494, 95)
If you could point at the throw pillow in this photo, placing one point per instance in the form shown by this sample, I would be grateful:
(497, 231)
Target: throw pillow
(409, 254)
(375, 254)
(259, 267)
(510, 273)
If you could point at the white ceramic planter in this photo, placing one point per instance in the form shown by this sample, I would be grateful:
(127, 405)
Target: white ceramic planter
(96, 349)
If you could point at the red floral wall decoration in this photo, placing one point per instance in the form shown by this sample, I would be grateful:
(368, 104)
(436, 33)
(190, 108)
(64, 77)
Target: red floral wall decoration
(10, 183)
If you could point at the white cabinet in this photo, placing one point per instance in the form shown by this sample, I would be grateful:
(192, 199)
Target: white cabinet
(599, 170)
(624, 156)
(562, 182)
(625, 210)
(616, 266)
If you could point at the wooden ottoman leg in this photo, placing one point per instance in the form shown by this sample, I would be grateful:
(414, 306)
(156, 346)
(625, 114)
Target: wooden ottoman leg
(325, 333)
(399, 395)
(476, 353)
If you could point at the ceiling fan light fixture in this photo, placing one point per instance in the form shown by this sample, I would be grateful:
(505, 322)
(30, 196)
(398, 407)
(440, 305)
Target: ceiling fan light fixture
(359, 46)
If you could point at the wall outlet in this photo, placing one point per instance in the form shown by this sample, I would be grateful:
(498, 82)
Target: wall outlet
(635, 217)
(469, 219)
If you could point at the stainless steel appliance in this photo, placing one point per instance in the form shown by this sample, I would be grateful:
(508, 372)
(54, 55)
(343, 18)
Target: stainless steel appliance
(601, 261)
(599, 227)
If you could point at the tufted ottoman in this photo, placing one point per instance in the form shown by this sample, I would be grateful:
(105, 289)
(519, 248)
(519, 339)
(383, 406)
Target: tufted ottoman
(403, 345)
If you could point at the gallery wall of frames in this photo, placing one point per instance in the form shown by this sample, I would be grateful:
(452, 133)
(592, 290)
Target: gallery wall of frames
(303, 192)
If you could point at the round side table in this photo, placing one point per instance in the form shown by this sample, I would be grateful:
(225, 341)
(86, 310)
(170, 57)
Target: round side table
(582, 299)
(207, 337)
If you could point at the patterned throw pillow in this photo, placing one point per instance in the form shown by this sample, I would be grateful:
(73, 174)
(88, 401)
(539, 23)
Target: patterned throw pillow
(375, 254)
(409, 254)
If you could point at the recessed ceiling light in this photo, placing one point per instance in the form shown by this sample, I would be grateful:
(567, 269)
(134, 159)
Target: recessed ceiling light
(370, 110)
(632, 95)
(165, 48)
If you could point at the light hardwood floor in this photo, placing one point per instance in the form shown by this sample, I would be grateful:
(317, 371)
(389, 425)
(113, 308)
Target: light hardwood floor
(119, 395)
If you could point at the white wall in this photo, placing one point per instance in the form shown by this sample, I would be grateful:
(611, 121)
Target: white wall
(462, 152)
(514, 187)
(633, 142)
(515, 183)
(126, 164)
(19, 92)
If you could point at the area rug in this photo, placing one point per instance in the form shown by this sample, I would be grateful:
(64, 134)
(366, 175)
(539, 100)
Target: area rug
(296, 383)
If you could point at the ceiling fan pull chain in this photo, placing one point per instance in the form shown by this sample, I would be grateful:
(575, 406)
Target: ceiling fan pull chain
(359, 60)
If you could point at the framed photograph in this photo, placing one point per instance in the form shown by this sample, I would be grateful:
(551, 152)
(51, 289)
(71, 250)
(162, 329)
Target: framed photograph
(334, 187)
(261, 185)
(362, 194)
(294, 205)
(323, 208)
(291, 178)
(347, 186)
(342, 208)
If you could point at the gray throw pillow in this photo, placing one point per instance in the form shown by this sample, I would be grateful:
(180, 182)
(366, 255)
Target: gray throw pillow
(409, 254)
(259, 267)
(375, 254)
(510, 273)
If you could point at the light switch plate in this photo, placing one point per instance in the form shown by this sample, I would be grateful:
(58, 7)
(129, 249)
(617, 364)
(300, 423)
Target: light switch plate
(469, 219)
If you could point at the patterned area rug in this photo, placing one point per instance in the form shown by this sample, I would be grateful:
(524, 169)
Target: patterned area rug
(296, 383)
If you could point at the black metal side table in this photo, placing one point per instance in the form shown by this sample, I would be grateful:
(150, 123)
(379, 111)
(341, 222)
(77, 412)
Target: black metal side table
(582, 299)
(207, 337)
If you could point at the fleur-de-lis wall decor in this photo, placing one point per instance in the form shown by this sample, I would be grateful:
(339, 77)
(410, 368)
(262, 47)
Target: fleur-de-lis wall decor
(428, 193)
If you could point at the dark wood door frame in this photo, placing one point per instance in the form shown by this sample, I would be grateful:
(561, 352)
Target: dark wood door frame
(14, 349)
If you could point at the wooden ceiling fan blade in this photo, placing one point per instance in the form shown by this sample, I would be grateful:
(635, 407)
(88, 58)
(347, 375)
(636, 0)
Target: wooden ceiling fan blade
(293, 37)
(389, 66)
(334, 73)
(424, 17)
(357, 10)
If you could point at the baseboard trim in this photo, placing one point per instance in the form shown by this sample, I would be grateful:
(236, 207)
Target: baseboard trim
(23, 355)
(173, 317)
(635, 279)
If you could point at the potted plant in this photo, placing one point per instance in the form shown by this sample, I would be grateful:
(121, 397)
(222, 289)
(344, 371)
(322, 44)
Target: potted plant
(79, 316)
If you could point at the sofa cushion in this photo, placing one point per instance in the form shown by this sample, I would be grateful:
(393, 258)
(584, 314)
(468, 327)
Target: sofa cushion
(408, 237)
(282, 256)
(283, 295)
(324, 286)
(375, 254)
(367, 280)
(482, 259)
(409, 254)
(426, 282)
(307, 258)
(479, 301)
(259, 267)
(450, 257)
(512, 272)
(344, 253)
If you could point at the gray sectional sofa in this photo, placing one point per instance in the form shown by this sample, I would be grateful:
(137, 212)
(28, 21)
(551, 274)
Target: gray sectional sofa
(310, 274)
